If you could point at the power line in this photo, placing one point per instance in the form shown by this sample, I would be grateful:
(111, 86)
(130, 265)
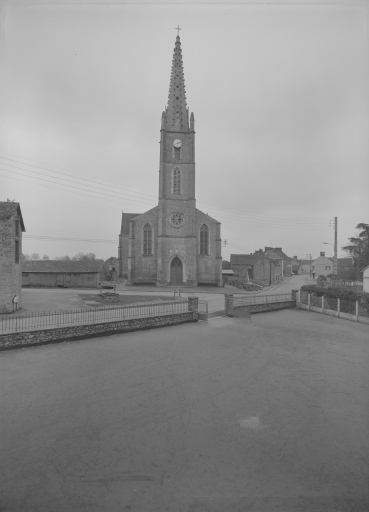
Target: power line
(104, 182)
(230, 215)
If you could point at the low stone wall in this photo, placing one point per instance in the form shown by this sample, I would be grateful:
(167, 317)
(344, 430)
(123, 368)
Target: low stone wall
(79, 332)
(269, 306)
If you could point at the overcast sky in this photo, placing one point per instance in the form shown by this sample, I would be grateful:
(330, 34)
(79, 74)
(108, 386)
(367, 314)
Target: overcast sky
(280, 97)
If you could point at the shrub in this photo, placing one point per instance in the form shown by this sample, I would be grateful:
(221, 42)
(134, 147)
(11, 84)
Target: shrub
(337, 292)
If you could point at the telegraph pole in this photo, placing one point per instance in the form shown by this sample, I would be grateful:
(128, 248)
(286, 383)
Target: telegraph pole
(335, 247)
(310, 265)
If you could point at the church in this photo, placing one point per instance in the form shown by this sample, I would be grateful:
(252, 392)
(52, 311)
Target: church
(174, 243)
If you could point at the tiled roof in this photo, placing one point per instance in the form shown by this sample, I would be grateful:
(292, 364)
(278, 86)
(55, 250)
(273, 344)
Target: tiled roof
(8, 208)
(72, 266)
(273, 255)
(126, 219)
(242, 259)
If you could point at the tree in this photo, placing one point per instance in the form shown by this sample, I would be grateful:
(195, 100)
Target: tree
(45, 257)
(358, 248)
(26, 257)
(35, 256)
(62, 258)
(89, 256)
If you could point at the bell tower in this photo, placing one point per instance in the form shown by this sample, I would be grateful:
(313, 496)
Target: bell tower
(177, 242)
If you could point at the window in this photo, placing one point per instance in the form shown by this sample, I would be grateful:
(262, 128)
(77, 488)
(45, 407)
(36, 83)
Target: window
(204, 239)
(327, 267)
(176, 181)
(177, 153)
(177, 219)
(147, 240)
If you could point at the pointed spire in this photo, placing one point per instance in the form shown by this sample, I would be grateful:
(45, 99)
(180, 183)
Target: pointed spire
(176, 115)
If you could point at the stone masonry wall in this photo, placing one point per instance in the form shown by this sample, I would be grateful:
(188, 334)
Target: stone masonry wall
(270, 306)
(10, 272)
(78, 332)
(209, 267)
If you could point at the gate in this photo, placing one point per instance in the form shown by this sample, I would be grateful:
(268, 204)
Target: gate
(203, 312)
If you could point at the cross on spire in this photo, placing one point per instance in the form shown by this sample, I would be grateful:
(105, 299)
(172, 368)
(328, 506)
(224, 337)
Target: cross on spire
(177, 28)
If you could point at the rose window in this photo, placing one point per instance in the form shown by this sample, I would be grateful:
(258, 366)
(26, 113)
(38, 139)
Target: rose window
(176, 219)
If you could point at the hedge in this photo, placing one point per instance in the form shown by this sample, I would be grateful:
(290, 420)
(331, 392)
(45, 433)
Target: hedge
(336, 292)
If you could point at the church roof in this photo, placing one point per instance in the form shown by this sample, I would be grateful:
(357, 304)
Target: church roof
(175, 116)
(126, 219)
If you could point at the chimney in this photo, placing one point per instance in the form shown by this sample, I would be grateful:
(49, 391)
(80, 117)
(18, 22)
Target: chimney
(295, 257)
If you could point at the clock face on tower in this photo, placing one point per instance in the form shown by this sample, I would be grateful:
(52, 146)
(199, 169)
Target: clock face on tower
(177, 143)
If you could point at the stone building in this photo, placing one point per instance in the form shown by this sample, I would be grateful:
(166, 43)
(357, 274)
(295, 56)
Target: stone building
(11, 229)
(262, 267)
(174, 243)
(63, 273)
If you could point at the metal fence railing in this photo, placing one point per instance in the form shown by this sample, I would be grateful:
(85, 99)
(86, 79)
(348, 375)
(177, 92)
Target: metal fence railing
(49, 319)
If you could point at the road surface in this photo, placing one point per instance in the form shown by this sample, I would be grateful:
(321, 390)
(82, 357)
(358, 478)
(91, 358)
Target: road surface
(269, 415)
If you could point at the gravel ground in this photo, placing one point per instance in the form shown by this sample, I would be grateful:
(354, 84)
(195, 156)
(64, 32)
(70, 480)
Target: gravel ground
(233, 415)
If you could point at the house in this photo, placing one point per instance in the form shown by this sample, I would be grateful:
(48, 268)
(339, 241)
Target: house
(243, 265)
(322, 266)
(268, 267)
(62, 273)
(11, 229)
(264, 267)
(366, 279)
(305, 266)
(287, 261)
(295, 265)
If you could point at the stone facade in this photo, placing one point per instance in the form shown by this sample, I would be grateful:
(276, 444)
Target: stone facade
(174, 243)
(11, 229)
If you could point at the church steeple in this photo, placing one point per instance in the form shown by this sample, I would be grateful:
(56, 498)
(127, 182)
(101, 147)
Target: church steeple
(175, 116)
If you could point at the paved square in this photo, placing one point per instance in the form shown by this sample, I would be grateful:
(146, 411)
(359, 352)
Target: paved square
(268, 415)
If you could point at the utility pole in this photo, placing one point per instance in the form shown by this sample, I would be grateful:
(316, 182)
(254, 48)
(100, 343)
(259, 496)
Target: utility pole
(310, 264)
(335, 247)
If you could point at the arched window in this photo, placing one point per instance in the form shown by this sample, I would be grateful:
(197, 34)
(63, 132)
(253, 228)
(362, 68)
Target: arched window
(204, 239)
(147, 240)
(176, 181)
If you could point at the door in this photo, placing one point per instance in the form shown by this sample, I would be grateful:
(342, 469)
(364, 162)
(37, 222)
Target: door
(176, 272)
(60, 280)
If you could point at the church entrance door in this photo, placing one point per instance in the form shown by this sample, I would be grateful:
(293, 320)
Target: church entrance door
(176, 272)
